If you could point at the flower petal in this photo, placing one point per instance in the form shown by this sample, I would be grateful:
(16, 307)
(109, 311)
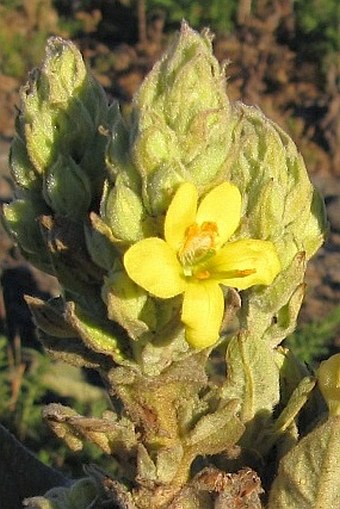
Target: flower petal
(245, 263)
(202, 313)
(181, 214)
(222, 205)
(153, 265)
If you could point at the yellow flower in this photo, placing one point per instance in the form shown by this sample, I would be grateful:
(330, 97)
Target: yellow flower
(195, 259)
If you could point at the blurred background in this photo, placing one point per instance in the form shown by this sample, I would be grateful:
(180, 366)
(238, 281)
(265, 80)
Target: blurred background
(283, 56)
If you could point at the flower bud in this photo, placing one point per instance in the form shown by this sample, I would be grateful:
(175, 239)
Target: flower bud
(182, 123)
(279, 204)
(122, 209)
(23, 171)
(279, 201)
(100, 242)
(80, 495)
(21, 221)
(126, 303)
(83, 493)
(62, 182)
(118, 160)
(329, 383)
(58, 155)
(61, 109)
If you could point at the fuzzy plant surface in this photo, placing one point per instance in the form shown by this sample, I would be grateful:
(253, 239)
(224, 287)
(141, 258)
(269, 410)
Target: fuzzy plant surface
(180, 236)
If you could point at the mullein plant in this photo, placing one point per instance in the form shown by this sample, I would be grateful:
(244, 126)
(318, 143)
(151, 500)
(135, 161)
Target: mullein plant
(180, 237)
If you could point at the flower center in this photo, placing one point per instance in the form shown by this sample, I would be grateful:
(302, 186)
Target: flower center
(199, 244)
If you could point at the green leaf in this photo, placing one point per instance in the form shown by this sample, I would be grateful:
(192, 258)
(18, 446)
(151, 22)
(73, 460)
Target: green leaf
(168, 461)
(216, 431)
(309, 474)
(101, 338)
(112, 435)
(48, 316)
(252, 376)
(288, 415)
(272, 310)
(294, 405)
(72, 351)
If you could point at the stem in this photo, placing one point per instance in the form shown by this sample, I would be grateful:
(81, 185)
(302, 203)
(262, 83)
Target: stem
(243, 11)
(141, 15)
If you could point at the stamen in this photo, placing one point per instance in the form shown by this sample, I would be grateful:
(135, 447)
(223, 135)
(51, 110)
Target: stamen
(244, 272)
(199, 243)
(232, 274)
(204, 274)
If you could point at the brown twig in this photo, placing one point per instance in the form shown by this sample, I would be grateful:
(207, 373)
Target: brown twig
(141, 15)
